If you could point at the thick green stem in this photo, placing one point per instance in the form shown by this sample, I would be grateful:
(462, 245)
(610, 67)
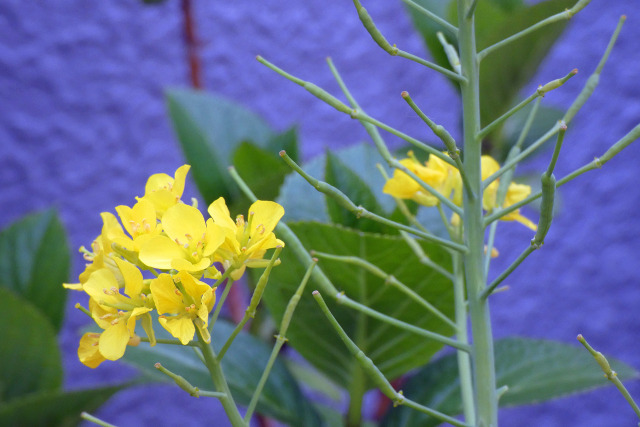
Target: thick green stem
(485, 396)
(464, 360)
(215, 370)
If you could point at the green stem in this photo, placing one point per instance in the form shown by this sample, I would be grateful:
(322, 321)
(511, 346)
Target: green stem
(435, 18)
(423, 258)
(293, 243)
(95, 420)
(280, 340)
(169, 342)
(485, 396)
(343, 299)
(360, 211)
(597, 163)
(540, 92)
(358, 380)
(250, 312)
(374, 373)
(610, 374)
(219, 380)
(390, 280)
(220, 304)
(562, 16)
(464, 359)
(489, 289)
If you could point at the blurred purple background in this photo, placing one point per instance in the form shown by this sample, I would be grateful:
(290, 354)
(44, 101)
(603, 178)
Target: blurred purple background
(83, 123)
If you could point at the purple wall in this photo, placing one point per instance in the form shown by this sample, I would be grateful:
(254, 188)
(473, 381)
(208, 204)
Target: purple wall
(83, 123)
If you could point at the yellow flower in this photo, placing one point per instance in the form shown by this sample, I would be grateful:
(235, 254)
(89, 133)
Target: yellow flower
(189, 243)
(245, 243)
(117, 313)
(101, 250)
(140, 222)
(443, 177)
(164, 191)
(515, 193)
(184, 304)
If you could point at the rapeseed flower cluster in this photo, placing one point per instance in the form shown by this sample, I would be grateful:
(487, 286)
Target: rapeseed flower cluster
(446, 180)
(155, 257)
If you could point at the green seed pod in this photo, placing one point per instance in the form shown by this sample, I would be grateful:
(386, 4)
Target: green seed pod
(546, 208)
(376, 35)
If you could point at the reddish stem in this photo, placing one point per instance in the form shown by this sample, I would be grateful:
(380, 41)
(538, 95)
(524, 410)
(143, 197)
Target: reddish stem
(191, 42)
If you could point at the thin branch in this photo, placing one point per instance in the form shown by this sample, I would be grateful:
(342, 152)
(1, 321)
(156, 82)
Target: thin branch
(377, 36)
(388, 280)
(360, 211)
(562, 16)
(435, 18)
(376, 375)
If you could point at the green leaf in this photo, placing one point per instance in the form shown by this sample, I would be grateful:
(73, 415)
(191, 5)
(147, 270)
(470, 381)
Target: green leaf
(287, 141)
(209, 128)
(243, 365)
(54, 409)
(263, 171)
(29, 359)
(337, 173)
(393, 350)
(303, 202)
(534, 370)
(34, 262)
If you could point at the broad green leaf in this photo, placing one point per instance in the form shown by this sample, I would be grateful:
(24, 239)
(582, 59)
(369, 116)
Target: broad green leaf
(393, 350)
(54, 408)
(341, 176)
(243, 365)
(545, 118)
(29, 359)
(34, 262)
(303, 202)
(209, 128)
(263, 171)
(534, 370)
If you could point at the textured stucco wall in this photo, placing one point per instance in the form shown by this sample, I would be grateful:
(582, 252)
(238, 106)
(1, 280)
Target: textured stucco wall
(83, 123)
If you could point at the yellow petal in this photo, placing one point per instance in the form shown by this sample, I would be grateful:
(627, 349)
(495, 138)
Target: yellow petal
(132, 278)
(181, 221)
(180, 327)
(159, 251)
(220, 214)
(178, 182)
(266, 216)
(102, 287)
(88, 350)
(113, 341)
(183, 264)
(193, 287)
(215, 236)
(164, 294)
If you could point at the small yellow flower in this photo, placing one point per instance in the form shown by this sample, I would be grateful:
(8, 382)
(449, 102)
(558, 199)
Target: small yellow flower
(515, 193)
(184, 304)
(189, 243)
(101, 250)
(140, 222)
(245, 243)
(164, 191)
(117, 313)
(443, 177)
